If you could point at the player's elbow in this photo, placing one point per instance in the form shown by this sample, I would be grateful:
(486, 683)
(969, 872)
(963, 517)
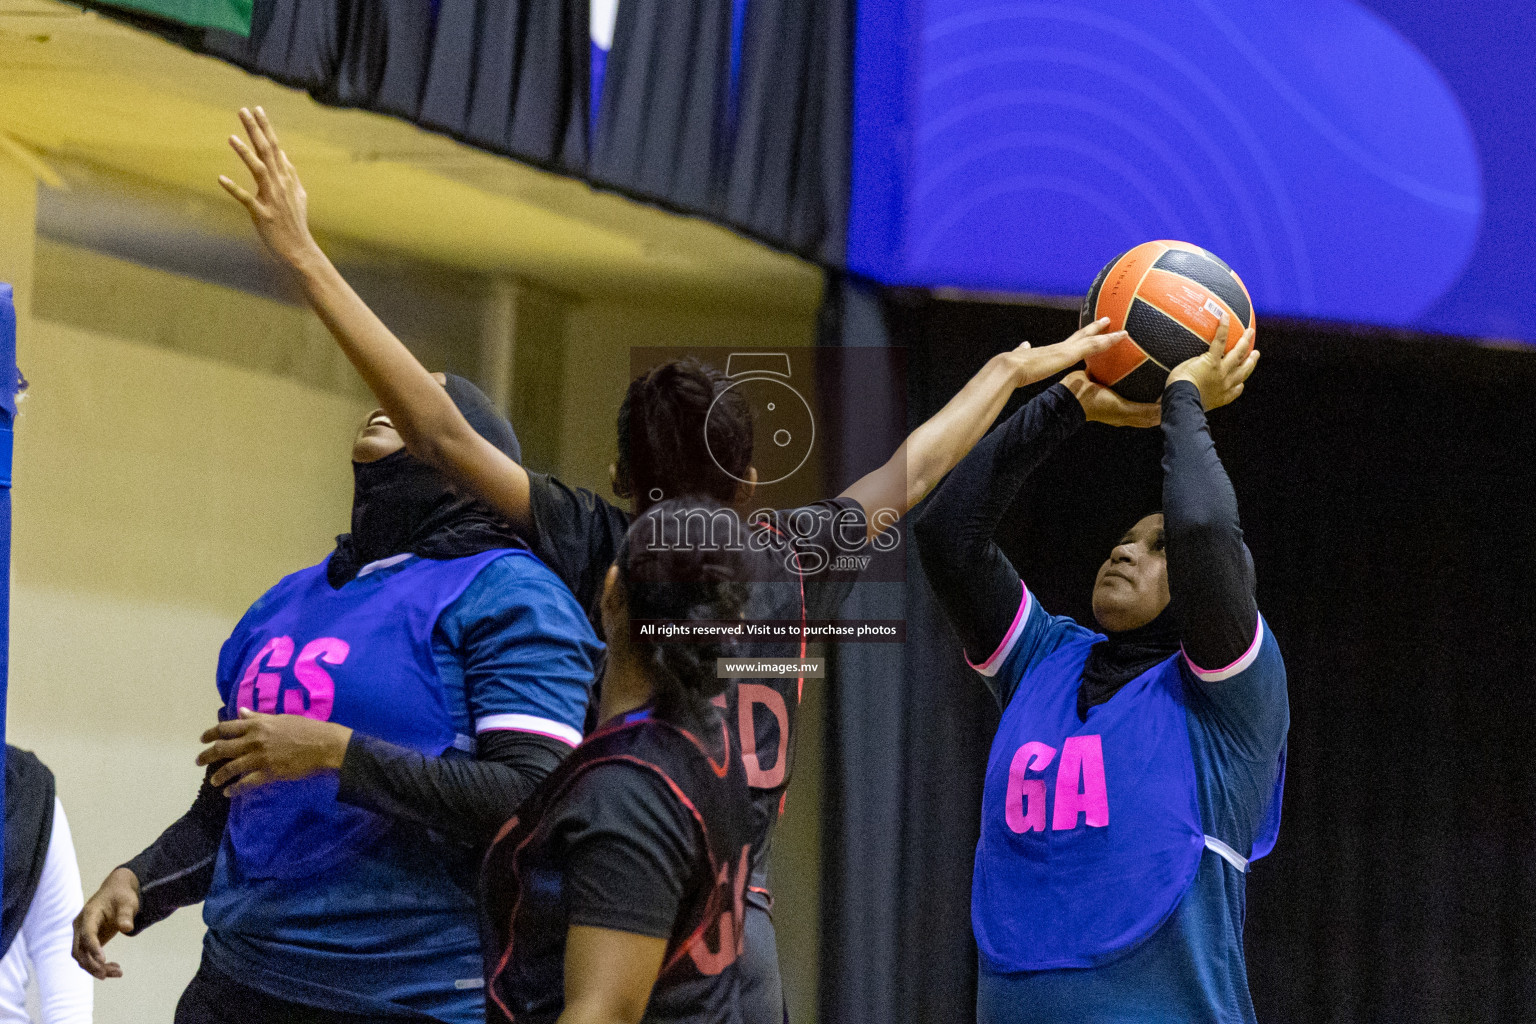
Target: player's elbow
(440, 442)
(936, 548)
(1198, 529)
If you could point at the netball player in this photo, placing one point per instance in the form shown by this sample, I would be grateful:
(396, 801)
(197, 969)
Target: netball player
(616, 895)
(661, 451)
(430, 671)
(1137, 768)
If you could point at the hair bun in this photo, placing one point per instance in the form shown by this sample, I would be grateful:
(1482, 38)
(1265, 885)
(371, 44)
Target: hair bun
(668, 579)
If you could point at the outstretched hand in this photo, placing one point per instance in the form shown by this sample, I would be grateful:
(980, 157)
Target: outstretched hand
(257, 749)
(107, 913)
(1101, 405)
(1033, 364)
(280, 208)
(1219, 374)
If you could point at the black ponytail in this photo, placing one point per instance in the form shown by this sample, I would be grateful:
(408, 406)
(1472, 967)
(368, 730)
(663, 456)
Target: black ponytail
(670, 574)
(683, 432)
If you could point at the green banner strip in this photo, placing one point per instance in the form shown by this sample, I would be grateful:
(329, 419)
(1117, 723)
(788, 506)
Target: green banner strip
(233, 15)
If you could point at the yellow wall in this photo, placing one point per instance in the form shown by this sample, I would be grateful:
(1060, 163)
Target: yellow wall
(157, 494)
(18, 213)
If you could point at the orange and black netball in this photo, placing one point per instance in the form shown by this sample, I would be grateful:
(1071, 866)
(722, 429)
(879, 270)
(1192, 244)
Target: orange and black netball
(1169, 297)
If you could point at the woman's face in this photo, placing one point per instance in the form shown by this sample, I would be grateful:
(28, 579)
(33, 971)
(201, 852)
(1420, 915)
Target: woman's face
(377, 436)
(1132, 586)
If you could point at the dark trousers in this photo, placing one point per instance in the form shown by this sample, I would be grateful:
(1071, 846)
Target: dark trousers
(213, 997)
(762, 990)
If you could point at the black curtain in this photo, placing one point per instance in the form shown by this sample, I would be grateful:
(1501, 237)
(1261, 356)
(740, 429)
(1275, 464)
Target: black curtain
(661, 127)
(384, 53)
(902, 741)
(511, 76)
(296, 42)
(1386, 488)
(765, 148)
(769, 154)
(790, 166)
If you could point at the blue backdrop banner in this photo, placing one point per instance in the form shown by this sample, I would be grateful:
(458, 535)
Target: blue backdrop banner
(8, 381)
(1353, 162)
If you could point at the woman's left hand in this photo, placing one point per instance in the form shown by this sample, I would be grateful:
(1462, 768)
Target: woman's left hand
(1219, 374)
(257, 749)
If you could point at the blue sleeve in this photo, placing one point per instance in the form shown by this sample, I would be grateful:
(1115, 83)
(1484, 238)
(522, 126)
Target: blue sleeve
(519, 650)
(228, 671)
(225, 675)
(1245, 702)
(1034, 635)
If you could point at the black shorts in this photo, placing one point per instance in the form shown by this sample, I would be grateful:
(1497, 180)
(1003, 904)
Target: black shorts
(213, 997)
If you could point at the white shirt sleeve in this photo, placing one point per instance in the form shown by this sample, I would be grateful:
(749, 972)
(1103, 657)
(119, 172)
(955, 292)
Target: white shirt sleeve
(64, 990)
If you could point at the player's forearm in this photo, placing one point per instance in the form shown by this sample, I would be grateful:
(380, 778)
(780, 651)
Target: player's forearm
(464, 798)
(938, 445)
(421, 410)
(1210, 575)
(176, 869)
(417, 405)
(935, 447)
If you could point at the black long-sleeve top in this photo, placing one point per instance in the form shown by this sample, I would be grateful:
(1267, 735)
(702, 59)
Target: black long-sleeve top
(467, 799)
(1210, 574)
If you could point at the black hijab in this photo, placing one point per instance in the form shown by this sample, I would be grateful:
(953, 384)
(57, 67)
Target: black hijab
(401, 505)
(29, 793)
(1121, 657)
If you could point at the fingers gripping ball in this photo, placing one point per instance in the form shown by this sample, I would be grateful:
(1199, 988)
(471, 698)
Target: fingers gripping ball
(1169, 297)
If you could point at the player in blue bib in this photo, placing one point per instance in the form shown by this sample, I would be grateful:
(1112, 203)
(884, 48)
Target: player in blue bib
(1137, 769)
(383, 713)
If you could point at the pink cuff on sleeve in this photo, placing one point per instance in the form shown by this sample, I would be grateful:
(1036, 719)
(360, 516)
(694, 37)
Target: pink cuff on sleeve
(1216, 675)
(530, 723)
(992, 664)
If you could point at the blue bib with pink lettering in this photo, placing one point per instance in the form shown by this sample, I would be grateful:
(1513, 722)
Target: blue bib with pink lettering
(360, 656)
(1090, 831)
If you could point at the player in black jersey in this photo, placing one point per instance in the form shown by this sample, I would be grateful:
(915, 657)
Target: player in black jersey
(662, 450)
(617, 892)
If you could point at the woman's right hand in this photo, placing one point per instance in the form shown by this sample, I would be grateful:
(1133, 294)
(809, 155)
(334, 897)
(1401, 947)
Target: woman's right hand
(1101, 405)
(280, 207)
(1031, 364)
(110, 911)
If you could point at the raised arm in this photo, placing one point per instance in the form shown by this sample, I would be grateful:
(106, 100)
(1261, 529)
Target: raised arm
(976, 583)
(1210, 573)
(430, 424)
(934, 448)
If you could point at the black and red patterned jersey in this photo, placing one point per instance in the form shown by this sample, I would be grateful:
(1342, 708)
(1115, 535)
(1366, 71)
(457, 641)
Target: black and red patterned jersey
(525, 897)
